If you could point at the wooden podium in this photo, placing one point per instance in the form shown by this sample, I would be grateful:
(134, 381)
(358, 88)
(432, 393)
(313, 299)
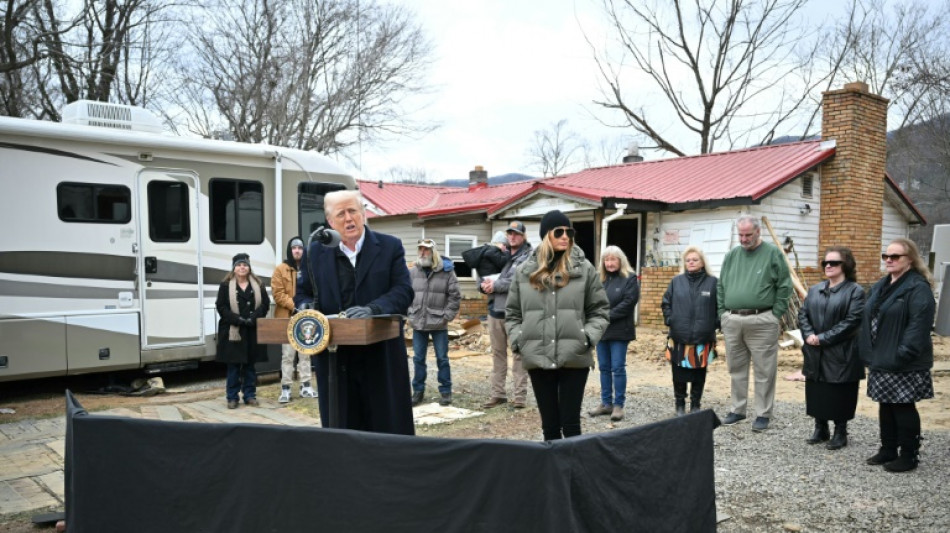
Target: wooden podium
(343, 332)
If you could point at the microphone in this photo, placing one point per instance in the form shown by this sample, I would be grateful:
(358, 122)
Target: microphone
(325, 236)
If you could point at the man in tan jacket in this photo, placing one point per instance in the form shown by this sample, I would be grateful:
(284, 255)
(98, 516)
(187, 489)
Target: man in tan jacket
(284, 286)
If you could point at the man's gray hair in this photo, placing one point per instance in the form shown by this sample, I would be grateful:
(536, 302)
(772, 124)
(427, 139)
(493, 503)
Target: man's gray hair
(749, 219)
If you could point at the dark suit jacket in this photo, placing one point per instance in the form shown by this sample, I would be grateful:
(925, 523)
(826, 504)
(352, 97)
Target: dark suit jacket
(374, 390)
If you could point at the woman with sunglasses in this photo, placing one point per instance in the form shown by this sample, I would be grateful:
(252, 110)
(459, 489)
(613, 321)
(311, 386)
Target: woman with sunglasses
(556, 313)
(829, 320)
(895, 344)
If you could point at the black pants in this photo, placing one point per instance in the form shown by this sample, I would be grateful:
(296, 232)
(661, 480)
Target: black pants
(559, 394)
(900, 425)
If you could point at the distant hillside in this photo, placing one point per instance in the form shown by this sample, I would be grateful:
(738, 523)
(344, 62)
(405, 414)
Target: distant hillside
(511, 177)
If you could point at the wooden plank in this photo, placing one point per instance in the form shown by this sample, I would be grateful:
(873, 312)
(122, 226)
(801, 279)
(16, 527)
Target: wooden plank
(802, 292)
(343, 331)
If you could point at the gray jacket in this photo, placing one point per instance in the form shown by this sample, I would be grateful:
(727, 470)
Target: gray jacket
(436, 297)
(557, 328)
(498, 299)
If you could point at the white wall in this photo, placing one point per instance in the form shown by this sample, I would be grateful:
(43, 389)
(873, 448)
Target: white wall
(668, 234)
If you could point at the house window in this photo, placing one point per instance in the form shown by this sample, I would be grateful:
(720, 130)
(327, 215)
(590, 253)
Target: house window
(807, 184)
(454, 246)
(237, 211)
(93, 202)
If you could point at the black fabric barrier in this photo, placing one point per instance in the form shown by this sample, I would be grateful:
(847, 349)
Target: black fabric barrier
(137, 475)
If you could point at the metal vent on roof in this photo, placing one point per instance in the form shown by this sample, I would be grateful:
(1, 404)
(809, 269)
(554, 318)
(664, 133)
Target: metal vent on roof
(115, 116)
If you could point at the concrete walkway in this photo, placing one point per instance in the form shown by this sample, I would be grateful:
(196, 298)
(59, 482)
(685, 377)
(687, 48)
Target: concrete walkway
(32, 451)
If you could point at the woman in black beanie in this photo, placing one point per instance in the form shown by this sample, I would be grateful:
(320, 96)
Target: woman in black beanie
(556, 312)
(242, 299)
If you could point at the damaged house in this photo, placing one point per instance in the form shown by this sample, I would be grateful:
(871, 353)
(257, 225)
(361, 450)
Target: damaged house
(813, 194)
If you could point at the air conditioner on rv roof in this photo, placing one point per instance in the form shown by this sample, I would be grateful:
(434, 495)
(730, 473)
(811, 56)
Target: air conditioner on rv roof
(106, 115)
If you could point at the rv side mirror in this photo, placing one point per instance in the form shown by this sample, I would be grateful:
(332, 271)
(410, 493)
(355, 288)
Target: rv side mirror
(151, 265)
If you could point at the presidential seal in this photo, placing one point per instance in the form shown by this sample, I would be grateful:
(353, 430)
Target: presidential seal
(309, 332)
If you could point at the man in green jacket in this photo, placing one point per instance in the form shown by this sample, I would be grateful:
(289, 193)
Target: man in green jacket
(753, 291)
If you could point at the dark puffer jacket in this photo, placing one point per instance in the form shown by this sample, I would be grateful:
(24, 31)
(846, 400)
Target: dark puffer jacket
(623, 293)
(905, 317)
(689, 308)
(436, 297)
(834, 315)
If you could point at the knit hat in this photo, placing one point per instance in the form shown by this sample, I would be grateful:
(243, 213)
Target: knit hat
(499, 237)
(296, 242)
(553, 219)
(240, 258)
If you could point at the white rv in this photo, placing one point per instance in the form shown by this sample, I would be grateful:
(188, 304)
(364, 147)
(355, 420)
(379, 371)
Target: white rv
(114, 238)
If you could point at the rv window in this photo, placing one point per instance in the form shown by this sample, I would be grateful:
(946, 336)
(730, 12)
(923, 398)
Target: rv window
(310, 205)
(93, 202)
(237, 211)
(168, 219)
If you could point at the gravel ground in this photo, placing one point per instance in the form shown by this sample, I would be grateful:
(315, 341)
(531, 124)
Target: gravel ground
(770, 481)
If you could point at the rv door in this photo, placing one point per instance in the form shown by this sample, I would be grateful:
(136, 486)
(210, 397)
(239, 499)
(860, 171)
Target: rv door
(169, 250)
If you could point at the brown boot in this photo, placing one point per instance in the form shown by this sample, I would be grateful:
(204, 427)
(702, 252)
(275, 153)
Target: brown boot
(602, 409)
(617, 414)
(494, 402)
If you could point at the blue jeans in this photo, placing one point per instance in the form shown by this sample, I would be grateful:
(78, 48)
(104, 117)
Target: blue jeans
(612, 360)
(238, 373)
(420, 343)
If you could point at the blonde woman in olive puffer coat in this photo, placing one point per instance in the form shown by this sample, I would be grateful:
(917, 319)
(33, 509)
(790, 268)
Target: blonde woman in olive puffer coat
(556, 312)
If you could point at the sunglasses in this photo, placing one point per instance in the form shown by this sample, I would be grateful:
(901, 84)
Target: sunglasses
(559, 232)
(826, 264)
(891, 257)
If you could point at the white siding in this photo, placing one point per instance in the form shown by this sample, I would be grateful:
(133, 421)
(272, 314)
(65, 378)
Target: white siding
(895, 225)
(671, 233)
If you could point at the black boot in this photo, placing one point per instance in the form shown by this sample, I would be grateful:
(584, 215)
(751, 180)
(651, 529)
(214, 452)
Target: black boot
(695, 395)
(908, 458)
(820, 434)
(888, 450)
(679, 393)
(840, 439)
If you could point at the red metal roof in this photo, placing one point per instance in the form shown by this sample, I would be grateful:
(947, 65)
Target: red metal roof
(400, 198)
(741, 175)
(751, 173)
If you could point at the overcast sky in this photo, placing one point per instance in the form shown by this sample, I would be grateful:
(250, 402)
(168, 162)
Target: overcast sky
(504, 69)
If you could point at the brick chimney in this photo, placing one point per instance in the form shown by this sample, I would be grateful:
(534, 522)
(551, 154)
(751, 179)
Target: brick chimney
(478, 178)
(852, 182)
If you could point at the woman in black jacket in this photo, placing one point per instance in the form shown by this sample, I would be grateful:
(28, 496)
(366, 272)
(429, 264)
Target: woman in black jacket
(242, 299)
(623, 292)
(829, 321)
(689, 309)
(895, 344)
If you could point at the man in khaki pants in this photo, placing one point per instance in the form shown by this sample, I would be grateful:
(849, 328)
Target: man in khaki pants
(518, 250)
(753, 291)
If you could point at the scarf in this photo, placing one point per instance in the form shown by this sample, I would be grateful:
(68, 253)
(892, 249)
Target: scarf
(234, 333)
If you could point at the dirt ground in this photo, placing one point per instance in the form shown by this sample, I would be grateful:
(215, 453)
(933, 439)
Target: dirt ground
(470, 363)
(471, 366)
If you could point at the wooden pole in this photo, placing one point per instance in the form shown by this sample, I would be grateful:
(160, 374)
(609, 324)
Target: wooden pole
(799, 288)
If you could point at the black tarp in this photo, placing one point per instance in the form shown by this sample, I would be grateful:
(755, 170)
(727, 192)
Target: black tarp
(126, 474)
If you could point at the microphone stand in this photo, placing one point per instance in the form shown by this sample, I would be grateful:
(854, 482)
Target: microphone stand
(333, 414)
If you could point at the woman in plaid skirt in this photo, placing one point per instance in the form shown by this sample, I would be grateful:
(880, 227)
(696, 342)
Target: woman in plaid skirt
(895, 344)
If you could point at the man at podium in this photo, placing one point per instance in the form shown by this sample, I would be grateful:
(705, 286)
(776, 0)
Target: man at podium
(364, 275)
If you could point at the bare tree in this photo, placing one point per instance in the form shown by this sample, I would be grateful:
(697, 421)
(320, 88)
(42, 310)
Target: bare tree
(103, 50)
(716, 65)
(555, 149)
(312, 74)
